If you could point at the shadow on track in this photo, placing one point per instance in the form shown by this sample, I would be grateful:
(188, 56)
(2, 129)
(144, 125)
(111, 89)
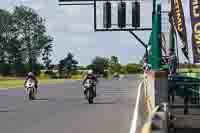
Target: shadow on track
(45, 99)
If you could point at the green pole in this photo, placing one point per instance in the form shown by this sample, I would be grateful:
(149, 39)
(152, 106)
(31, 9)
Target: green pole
(156, 40)
(155, 55)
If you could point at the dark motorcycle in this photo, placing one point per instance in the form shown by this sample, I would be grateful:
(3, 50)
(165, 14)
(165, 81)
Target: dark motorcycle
(90, 86)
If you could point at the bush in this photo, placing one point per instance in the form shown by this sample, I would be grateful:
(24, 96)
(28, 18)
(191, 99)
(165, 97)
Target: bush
(4, 69)
(123, 70)
(105, 74)
(134, 68)
(55, 76)
(18, 70)
(51, 74)
(43, 75)
(76, 72)
(36, 67)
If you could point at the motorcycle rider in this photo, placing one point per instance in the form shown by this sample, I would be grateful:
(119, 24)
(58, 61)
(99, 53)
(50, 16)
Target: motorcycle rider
(32, 76)
(91, 76)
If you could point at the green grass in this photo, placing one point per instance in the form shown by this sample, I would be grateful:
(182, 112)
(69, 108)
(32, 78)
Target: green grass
(77, 77)
(15, 83)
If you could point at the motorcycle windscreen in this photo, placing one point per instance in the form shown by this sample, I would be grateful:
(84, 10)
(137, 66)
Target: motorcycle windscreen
(30, 83)
(88, 83)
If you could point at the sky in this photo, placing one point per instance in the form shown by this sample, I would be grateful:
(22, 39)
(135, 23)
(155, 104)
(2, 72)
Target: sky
(72, 29)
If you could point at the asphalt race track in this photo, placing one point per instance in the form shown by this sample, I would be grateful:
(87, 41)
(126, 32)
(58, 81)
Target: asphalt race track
(61, 108)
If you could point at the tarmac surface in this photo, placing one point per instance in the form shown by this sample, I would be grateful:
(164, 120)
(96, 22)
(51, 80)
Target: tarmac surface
(61, 108)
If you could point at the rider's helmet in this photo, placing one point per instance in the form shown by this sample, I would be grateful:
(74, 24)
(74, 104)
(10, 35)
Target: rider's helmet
(90, 72)
(31, 74)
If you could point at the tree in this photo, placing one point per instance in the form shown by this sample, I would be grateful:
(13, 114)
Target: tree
(31, 32)
(11, 50)
(15, 56)
(15, 51)
(114, 65)
(46, 55)
(5, 29)
(114, 60)
(68, 65)
(99, 64)
(61, 67)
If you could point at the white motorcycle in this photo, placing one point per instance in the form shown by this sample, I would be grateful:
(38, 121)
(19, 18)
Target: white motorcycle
(90, 85)
(30, 89)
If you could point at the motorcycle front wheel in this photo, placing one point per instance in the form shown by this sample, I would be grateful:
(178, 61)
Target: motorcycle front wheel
(90, 97)
(31, 94)
(90, 100)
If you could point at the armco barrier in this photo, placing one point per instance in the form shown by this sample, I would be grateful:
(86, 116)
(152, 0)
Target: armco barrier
(146, 115)
(143, 110)
(152, 116)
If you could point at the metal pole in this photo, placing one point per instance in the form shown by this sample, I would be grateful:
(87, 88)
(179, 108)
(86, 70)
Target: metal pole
(95, 17)
(154, 6)
(159, 41)
(156, 55)
(172, 41)
(143, 44)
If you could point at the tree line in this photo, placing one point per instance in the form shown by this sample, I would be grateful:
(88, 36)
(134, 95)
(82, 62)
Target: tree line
(23, 40)
(109, 66)
(100, 65)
